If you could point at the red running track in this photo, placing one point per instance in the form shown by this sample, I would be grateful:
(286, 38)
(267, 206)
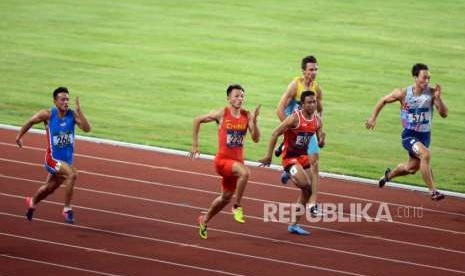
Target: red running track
(136, 214)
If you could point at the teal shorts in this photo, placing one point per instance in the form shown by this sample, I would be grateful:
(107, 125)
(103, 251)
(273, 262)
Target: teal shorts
(313, 147)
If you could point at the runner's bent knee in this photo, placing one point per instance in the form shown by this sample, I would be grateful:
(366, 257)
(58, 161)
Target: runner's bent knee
(226, 196)
(241, 170)
(298, 175)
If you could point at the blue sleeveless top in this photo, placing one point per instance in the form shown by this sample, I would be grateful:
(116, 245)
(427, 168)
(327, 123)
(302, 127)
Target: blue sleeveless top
(61, 135)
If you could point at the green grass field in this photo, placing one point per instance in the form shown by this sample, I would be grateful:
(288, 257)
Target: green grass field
(144, 69)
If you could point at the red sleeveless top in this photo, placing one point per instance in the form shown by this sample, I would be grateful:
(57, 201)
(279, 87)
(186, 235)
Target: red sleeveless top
(231, 135)
(296, 140)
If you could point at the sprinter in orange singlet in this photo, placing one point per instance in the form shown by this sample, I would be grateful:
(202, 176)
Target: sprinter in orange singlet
(233, 123)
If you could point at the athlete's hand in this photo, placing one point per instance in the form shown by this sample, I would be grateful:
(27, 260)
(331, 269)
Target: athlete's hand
(78, 105)
(437, 91)
(256, 112)
(194, 153)
(322, 139)
(370, 123)
(19, 141)
(265, 161)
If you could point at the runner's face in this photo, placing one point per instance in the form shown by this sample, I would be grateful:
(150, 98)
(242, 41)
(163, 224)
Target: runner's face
(422, 81)
(309, 104)
(62, 101)
(311, 70)
(236, 98)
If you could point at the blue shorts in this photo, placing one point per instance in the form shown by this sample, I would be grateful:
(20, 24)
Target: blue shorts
(410, 137)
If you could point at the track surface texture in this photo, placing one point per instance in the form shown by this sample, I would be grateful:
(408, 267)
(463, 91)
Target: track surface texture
(136, 214)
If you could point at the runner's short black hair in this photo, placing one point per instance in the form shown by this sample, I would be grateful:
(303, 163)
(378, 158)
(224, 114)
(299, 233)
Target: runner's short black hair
(232, 87)
(59, 90)
(308, 59)
(306, 94)
(417, 68)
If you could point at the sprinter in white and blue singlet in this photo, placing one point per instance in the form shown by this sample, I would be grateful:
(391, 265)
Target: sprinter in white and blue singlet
(59, 122)
(416, 112)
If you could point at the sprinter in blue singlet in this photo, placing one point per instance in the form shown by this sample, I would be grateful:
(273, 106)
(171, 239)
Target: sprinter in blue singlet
(59, 122)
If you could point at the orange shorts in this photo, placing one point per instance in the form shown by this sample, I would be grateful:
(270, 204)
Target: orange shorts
(302, 160)
(224, 168)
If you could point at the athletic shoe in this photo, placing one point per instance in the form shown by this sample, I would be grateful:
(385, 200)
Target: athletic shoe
(436, 195)
(30, 210)
(279, 150)
(202, 227)
(296, 229)
(315, 211)
(382, 181)
(285, 177)
(69, 216)
(238, 213)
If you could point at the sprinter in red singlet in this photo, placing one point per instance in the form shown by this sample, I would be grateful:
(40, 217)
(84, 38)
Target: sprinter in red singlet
(298, 130)
(233, 123)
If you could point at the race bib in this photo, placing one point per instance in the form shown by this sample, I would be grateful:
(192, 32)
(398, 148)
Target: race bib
(62, 140)
(235, 138)
(303, 139)
(419, 117)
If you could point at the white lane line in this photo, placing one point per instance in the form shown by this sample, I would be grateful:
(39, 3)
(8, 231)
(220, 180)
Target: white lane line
(261, 219)
(210, 192)
(104, 251)
(271, 240)
(58, 265)
(250, 181)
(127, 145)
(260, 237)
(112, 194)
(194, 246)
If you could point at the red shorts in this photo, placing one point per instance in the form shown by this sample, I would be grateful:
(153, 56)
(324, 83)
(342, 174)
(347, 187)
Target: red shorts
(52, 165)
(302, 160)
(224, 168)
